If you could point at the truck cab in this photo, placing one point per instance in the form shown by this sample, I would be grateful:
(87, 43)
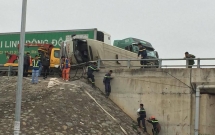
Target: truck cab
(36, 49)
(130, 44)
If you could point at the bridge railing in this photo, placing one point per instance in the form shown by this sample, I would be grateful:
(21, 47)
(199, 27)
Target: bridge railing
(160, 61)
(8, 70)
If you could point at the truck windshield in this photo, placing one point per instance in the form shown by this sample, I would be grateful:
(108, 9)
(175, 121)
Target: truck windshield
(151, 54)
(57, 53)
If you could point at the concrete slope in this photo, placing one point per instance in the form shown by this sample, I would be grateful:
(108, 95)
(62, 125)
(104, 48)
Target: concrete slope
(65, 109)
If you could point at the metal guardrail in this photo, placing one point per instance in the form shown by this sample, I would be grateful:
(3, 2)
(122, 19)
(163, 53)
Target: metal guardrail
(7, 70)
(159, 62)
(10, 69)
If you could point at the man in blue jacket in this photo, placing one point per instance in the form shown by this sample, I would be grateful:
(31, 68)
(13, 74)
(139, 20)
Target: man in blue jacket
(91, 68)
(106, 82)
(142, 116)
(35, 70)
(143, 53)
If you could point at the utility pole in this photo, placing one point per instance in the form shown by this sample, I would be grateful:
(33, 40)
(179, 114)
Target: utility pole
(20, 71)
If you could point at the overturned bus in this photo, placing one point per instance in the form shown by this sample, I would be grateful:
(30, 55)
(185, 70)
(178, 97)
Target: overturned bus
(82, 51)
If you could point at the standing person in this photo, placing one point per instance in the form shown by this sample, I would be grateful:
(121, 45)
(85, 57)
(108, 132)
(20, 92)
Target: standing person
(40, 59)
(143, 53)
(106, 82)
(65, 68)
(35, 70)
(190, 62)
(156, 126)
(26, 64)
(46, 65)
(91, 68)
(142, 116)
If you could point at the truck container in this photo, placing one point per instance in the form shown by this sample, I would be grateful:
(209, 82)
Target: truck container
(9, 41)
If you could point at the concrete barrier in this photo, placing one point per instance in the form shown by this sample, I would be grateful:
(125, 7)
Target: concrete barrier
(167, 94)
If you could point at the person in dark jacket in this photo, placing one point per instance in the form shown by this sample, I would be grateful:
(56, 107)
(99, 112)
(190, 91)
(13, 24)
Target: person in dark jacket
(106, 82)
(143, 53)
(40, 59)
(26, 64)
(35, 70)
(190, 62)
(156, 126)
(91, 68)
(142, 116)
(46, 65)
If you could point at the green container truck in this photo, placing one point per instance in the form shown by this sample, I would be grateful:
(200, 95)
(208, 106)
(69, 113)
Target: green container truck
(130, 44)
(9, 41)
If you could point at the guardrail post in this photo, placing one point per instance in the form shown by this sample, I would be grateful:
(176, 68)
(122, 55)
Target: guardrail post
(198, 63)
(128, 63)
(160, 63)
(187, 63)
(9, 71)
(98, 63)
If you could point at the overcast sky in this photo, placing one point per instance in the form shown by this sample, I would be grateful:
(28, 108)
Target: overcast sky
(171, 26)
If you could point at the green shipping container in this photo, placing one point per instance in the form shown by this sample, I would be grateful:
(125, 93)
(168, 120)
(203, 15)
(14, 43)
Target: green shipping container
(9, 41)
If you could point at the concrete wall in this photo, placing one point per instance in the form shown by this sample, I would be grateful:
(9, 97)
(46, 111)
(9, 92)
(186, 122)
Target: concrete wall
(166, 94)
(207, 117)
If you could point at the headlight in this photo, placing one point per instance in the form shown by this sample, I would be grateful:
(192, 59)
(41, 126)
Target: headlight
(56, 66)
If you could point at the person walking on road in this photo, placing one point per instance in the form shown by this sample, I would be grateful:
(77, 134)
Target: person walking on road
(143, 53)
(106, 82)
(26, 64)
(65, 68)
(91, 68)
(142, 116)
(46, 65)
(35, 70)
(190, 62)
(156, 126)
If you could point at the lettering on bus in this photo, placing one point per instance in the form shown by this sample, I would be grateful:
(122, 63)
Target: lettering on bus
(16, 52)
(10, 52)
(8, 44)
(13, 44)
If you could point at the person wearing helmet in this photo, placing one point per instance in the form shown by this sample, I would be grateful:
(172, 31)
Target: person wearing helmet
(156, 126)
(91, 68)
(143, 53)
(142, 116)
